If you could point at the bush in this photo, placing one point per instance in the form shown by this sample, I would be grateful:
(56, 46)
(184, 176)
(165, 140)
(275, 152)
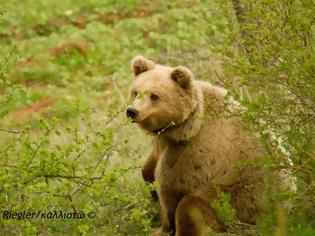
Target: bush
(272, 73)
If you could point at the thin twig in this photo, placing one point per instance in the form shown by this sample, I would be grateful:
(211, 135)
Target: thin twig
(34, 153)
(69, 176)
(110, 119)
(9, 166)
(79, 154)
(121, 95)
(10, 131)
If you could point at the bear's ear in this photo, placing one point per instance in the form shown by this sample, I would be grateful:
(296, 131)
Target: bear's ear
(182, 75)
(140, 64)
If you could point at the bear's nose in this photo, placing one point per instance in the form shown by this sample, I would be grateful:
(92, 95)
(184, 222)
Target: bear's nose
(131, 113)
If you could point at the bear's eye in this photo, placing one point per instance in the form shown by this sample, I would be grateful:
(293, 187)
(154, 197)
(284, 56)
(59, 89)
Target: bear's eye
(134, 93)
(154, 97)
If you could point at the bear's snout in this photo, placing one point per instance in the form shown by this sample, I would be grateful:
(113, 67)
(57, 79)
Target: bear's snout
(131, 113)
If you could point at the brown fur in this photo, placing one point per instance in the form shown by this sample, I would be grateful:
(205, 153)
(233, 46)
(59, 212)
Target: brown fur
(197, 143)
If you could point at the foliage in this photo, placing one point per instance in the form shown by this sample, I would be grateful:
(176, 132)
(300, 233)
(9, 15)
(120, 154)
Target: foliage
(65, 143)
(274, 71)
(223, 207)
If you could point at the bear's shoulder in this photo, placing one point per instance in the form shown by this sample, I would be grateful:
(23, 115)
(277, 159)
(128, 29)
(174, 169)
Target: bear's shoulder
(216, 100)
(211, 91)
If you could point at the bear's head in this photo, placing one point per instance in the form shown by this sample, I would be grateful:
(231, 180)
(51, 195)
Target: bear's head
(164, 100)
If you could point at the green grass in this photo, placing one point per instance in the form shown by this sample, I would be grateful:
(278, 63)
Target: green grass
(65, 143)
(86, 59)
(72, 66)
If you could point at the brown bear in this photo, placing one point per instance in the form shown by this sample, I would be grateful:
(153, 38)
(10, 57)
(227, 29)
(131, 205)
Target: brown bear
(199, 139)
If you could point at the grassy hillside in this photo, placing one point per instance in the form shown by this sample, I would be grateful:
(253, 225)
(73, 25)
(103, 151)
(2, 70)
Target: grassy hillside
(71, 65)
